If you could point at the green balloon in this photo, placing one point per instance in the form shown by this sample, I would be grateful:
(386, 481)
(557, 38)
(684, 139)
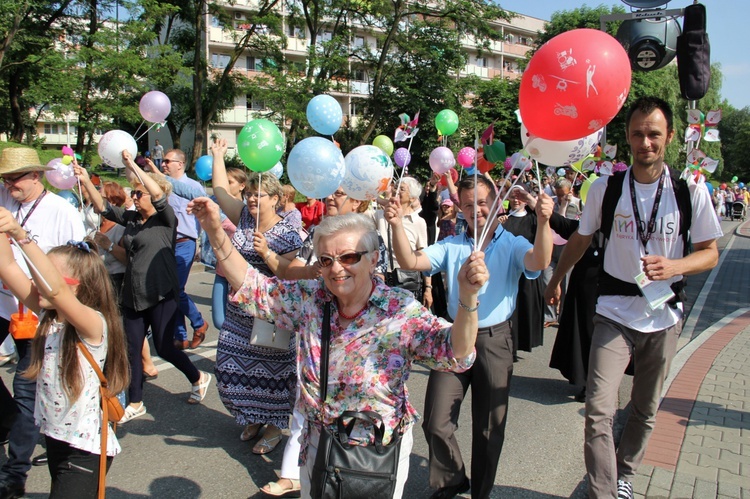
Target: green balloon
(495, 152)
(384, 143)
(260, 145)
(734, 179)
(446, 122)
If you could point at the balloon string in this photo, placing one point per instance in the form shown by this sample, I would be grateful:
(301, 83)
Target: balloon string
(31, 265)
(495, 208)
(139, 127)
(144, 133)
(257, 218)
(476, 163)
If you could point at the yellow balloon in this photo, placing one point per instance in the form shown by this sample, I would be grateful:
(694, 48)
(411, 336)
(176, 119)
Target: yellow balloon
(66, 160)
(586, 186)
(578, 165)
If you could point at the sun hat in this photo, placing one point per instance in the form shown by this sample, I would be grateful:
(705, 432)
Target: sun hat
(20, 160)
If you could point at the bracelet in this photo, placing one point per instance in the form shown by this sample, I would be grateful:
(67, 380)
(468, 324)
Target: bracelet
(25, 240)
(111, 247)
(468, 309)
(427, 286)
(217, 248)
(267, 255)
(222, 259)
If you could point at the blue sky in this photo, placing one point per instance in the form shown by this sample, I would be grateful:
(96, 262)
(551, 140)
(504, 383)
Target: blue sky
(727, 22)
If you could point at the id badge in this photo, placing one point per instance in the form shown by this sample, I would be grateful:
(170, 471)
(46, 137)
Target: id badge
(657, 293)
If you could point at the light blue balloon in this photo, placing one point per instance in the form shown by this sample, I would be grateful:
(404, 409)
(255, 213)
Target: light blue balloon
(204, 167)
(315, 167)
(710, 188)
(70, 197)
(470, 171)
(277, 170)
(324, 114)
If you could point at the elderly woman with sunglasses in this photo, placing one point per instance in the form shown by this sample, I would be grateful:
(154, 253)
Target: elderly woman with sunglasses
(150, 290)
(376, 332)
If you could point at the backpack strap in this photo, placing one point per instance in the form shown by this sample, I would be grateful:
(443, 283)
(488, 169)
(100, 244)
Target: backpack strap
(684, 205)
(611, 196)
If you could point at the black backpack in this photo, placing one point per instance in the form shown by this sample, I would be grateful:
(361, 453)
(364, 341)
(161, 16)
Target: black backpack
(610, 285)
(694, 54)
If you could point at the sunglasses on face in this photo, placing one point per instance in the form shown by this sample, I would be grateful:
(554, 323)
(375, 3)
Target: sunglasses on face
(13, 180)
(139, 194)
(166, 161)
(345, 259)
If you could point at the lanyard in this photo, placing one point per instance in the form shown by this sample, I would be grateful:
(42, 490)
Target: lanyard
(652, 221)
(33, 207)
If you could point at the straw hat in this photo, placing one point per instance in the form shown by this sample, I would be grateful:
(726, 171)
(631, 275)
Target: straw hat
(20, 160)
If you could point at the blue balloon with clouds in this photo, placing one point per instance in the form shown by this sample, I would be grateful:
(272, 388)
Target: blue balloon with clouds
(315, 167)
(324, 114)
(70, 197)
(277, 170)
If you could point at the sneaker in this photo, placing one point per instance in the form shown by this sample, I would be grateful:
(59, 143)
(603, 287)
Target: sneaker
(624, 490)
(132, 413)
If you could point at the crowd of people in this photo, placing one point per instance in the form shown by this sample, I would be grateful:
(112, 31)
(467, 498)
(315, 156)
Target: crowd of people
(323, 307)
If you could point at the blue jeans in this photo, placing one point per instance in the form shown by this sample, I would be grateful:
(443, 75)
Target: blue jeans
(184, 253)
(24, 433)
(219, 300)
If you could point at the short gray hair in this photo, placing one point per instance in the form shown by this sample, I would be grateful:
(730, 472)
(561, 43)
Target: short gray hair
(415, 190)
(351, 222)
(563, 183)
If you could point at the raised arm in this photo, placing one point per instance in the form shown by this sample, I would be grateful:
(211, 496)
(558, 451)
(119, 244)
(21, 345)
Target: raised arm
(150, 184)
(471, 277)
(97, 201)
(539, 257)
(15, 278)
(407, 258)
(50, 283)
(231, 206)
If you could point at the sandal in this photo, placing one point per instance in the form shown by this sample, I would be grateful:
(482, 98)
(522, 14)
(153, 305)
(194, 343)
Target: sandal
(132, 413)
(273, 489)
(148, 376)
(198, 392)
(267, 445)
(250, 432)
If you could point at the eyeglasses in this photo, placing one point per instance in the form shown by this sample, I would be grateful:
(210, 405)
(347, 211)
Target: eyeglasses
(139, 194)
(254, 194)
(345, 259)
(166, 161)
(8, 180)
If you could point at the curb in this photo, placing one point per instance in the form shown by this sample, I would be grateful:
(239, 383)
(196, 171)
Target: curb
(743, 229)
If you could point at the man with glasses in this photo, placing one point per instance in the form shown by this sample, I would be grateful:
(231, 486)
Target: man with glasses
(188, 228)
(50, 221)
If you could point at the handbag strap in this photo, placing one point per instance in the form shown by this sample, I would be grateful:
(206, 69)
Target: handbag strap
(103, 390)
(325, 341)
(390, 247)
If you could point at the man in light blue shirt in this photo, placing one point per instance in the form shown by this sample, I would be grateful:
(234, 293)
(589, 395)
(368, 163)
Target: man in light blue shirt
(187, 233)
(507, 257)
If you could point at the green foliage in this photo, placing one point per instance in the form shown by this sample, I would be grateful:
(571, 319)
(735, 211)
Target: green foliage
(734, 130)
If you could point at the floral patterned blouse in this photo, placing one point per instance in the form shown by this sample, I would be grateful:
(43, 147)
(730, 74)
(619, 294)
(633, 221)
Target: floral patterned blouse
(369, 361)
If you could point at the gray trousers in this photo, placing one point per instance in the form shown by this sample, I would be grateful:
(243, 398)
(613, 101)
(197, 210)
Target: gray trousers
(611, 348)
(489, 380)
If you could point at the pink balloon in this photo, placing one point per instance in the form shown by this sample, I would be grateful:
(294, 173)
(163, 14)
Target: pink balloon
(155, 106)
(62, 177)
(442, 160)
(466, 157)
(574, 85)
(402, 157)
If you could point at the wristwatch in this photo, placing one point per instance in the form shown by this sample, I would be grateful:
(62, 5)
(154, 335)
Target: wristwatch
(111, 247)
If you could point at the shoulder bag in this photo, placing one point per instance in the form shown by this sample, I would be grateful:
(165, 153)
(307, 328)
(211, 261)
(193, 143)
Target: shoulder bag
(410, 280)
(342, 470)
(268, 335)
(112, 411)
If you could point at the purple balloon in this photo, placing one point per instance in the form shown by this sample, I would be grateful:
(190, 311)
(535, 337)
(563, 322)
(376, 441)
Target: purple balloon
(442, 160)
(402, 157)
(155, 106)
(62, 177)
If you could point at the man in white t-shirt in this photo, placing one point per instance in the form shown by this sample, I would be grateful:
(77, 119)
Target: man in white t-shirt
(51, 221)
(645, 245)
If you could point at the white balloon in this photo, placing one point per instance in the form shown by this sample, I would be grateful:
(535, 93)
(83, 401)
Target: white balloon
(559, 153)
(368, 172)
(111, 146)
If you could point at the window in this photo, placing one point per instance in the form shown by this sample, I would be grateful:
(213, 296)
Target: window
(481, 62)
(359, 41)
(295, 31)
(215, 22)
(509, 38)
(255, 104)
(326, 36)
(524, 41)
(254, 64)
(219, 60)
(359, 75)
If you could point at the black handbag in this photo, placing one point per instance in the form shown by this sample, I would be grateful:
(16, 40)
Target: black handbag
(410, 280)
(345, 471)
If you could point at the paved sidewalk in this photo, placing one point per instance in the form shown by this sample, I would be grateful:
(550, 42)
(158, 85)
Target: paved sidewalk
(700, 447)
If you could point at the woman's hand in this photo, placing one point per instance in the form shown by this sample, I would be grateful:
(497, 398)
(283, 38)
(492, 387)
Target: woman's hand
(80, 172)
(9, 225)
(206, 211)
(473, 273)
(393, 212)
(219, 148)
(102, 240)
(260, 245)
(127, 160)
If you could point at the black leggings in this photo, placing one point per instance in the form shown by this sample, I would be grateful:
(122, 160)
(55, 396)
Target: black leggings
(74, 472)
(161, 317)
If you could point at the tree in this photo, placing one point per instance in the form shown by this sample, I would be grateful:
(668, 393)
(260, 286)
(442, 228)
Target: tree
(734, 130)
